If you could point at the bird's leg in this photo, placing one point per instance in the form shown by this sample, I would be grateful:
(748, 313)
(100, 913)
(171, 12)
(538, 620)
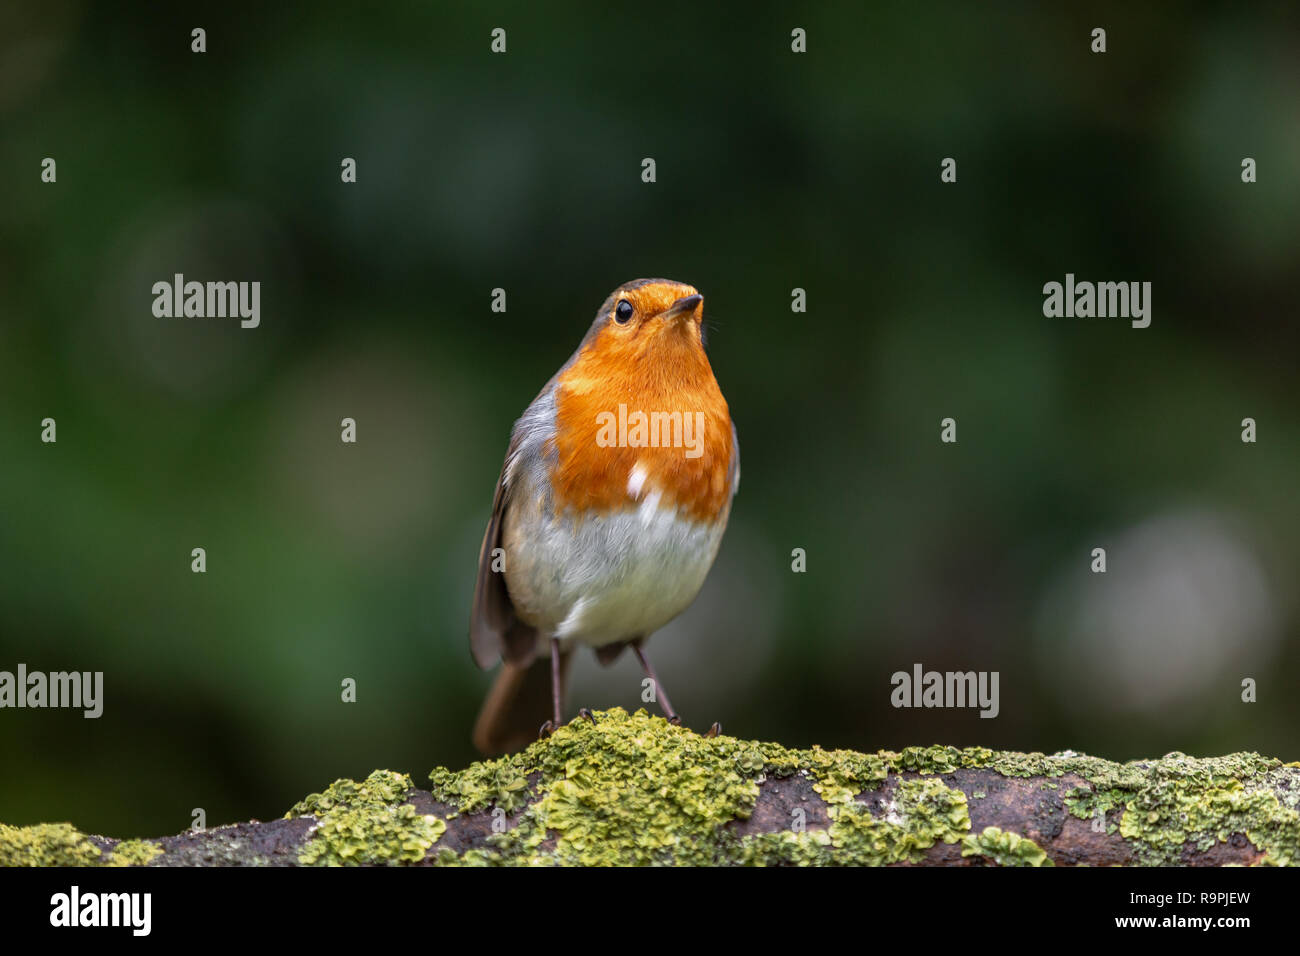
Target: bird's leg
(660, 696)
(557, 693)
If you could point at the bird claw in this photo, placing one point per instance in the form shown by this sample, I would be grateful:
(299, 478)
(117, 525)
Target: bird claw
(675, 720)
(587, 715)
(546, 730)
(714, 730)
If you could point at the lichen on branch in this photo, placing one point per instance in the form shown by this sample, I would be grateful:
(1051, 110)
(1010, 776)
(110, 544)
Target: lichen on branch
(630, 789)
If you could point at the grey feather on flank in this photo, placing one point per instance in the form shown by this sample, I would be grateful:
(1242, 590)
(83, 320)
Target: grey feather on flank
(494, 629)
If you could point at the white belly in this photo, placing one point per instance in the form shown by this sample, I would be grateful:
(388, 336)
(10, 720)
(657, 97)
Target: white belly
(601, 580)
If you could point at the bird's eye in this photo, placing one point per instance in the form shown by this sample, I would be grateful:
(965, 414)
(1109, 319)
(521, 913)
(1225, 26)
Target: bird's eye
(622, 311)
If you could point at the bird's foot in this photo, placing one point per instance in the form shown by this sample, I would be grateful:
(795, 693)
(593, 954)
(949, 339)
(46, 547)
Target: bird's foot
(675, 720)
(586, 714)
(546, 730)
(714, 730)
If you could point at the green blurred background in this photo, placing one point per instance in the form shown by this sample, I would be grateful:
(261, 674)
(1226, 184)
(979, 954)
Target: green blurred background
(522, 171)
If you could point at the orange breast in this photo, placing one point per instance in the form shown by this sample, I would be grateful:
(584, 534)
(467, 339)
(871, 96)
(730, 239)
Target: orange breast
(636, 422)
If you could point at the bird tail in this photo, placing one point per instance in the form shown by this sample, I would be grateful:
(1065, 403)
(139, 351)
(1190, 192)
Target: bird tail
(517, 705)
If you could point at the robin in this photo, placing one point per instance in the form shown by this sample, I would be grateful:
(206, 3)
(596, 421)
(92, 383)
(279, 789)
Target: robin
(609, 510)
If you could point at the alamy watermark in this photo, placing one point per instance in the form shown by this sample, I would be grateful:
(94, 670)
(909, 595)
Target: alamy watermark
(640, 429)
(1084, 300)
(923, 688)
(210, 300)
(75, 689)
(132, 911)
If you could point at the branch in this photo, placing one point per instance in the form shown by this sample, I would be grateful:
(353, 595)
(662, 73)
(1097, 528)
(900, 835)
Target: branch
(631, 789)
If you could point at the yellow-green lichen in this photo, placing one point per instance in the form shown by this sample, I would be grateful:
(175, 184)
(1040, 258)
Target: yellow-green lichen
(786, 848)
(46, 844)
(920, 814)
(371, 835)
(633, 789)
(630, 790)
(1088, 802)
(1165, 820)
(62, 844)
(1004, 848)
(1164, 805)
(133, 853)
(367, 823)
(381, 788)
(841, 774)
(1178, 802)
(489, 783)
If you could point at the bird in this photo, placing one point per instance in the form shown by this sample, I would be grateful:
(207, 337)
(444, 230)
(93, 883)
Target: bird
(609, 509)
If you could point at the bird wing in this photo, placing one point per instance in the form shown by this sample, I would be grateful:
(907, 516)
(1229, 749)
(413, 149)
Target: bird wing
(491, 612)
(495, 629)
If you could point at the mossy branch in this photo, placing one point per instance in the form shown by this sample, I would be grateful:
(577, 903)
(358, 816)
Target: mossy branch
(630, 789)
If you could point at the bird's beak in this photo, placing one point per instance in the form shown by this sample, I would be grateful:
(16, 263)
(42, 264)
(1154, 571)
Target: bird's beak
(685, 306)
